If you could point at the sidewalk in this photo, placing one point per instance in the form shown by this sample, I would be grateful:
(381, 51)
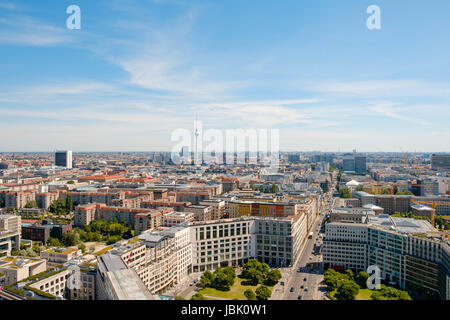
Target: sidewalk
(183, 285)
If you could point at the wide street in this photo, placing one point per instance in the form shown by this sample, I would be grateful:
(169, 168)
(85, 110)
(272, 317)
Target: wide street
(303, 281)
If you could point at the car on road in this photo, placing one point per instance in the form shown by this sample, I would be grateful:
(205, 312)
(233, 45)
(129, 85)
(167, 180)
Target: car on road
(306, 288)
(302, 286)
(304, 279)
(299, 298)
(292, 289)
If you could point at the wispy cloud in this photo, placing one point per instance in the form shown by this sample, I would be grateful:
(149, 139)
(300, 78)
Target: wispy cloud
(381, 88)
(16, 30)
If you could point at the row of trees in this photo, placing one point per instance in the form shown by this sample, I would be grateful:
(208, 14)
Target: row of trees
(61, 206)
(408, 215)
(222, 279)
(109, 231)
(344, 284)
(345, 193)
(255, 272)
(262, 293)
(347, 286)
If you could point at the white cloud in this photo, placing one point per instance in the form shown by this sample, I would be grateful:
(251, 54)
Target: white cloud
(381, 88)
(21, 30)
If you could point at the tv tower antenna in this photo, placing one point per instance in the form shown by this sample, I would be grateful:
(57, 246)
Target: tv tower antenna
(196, 133)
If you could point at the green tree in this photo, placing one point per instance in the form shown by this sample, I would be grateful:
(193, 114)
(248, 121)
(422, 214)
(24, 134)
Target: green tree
(71, 238)
(71, 182)
(57, 207)
(395, 189)
(249, 294)
(349, 274)
(345, 193)
(206, 279)
(53, 242)
(198, 296)
(273, 276)
(360, 188)
(254, 276)
(390, 294)
(69, 204)
(361, 279)
(263, 293)
(179, 298)
(224, 278)
(31, 204)
(347, 290)
(82, 247)
(274, 188)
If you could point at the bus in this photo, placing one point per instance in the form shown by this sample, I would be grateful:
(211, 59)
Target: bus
(310, 235)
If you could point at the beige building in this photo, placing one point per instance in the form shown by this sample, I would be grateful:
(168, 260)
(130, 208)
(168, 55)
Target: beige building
(217, 206)
(19, 199)
(176, 218)
(72, 283)
(61, 255)
(201, 213)
(19, 268)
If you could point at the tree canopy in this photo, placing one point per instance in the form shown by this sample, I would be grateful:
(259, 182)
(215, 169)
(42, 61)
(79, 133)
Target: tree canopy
(263, 293)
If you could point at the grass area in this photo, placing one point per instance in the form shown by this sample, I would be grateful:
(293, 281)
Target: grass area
(364, 294)
(104, 250)
(133, 240)
(236, 291)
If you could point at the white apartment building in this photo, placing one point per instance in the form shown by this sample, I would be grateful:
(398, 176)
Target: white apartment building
(221, 243)
(410, 253)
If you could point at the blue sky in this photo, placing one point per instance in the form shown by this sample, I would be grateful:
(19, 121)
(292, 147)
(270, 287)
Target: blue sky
(139, 69)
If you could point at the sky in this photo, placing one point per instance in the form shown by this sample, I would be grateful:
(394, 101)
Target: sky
(138, 70)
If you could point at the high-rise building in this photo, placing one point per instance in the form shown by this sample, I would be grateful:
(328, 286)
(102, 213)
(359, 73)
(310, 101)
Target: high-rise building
(440, 161)
(348, 162)
(63, 158)
(360, 164)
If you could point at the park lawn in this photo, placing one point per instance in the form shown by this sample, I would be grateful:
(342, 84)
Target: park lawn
(364, 294)
(236, 291)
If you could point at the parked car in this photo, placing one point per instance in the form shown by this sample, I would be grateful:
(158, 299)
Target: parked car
(299, 298)
(292, 289)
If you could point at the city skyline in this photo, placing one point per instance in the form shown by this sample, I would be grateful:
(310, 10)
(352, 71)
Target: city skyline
(132, 75)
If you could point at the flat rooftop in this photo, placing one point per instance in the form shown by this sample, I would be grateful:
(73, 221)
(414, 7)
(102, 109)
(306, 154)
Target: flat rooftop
(403, 225)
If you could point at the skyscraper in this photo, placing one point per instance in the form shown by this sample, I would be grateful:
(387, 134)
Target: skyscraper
(348, 163)
(360, 164)
(63, 159)
(440, 161)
